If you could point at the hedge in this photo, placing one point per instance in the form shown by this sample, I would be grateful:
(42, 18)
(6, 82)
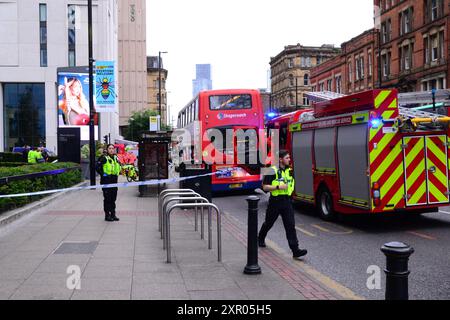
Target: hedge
(11, 157)
(12, 164)
(62, 180)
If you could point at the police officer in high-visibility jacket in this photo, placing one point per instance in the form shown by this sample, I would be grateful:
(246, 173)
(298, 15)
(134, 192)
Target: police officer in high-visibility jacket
(280, 184)
(108, 166)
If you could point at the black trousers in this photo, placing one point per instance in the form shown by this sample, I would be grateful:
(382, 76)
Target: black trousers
(283, 206)
(109, 194)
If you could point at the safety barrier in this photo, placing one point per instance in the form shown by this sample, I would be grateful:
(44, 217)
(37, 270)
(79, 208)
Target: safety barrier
(195, 205)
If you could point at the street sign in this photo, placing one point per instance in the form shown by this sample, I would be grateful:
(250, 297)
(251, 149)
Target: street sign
(155, 123)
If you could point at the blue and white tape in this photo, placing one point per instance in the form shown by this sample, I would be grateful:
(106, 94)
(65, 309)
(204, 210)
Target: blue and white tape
(115, 185)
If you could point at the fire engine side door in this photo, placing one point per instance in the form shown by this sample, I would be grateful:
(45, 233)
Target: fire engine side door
(437, 169)
(415, 171)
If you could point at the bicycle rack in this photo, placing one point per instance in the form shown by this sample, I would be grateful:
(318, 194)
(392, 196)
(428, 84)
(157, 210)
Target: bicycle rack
(194, 205)
(175, 194)
(159, 202)
(202, 200)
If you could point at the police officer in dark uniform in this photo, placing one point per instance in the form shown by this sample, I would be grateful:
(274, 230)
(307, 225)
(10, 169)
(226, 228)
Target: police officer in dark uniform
(108, 166)
(281, 184)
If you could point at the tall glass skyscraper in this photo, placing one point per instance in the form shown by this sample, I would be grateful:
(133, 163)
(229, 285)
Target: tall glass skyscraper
(203, 79)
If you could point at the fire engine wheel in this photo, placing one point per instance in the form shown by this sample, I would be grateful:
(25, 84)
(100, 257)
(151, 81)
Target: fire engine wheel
(325, 205)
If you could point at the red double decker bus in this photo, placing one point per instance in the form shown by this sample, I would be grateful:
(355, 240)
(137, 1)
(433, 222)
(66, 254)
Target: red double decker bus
(216, 121)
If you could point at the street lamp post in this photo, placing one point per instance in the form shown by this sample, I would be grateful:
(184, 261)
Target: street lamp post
(91, 101)
(159, 81)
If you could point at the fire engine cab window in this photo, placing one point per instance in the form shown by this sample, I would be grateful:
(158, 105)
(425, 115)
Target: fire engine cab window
(230, 102)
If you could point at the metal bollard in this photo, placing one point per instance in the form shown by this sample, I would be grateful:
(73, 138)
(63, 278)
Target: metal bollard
(252, 266)
(397, 255)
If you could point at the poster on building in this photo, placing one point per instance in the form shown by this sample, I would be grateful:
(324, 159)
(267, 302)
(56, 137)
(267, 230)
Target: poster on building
(105, 89)
(73, 99)
(154, 123)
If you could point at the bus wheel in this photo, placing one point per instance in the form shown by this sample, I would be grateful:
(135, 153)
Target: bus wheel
(325, 205)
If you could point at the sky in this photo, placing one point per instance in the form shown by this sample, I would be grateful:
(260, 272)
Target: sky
(238, 37)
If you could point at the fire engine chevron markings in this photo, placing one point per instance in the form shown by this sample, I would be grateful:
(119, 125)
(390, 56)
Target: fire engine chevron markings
(392, 193)
(381, 97)
(391, 159)
(384, 142)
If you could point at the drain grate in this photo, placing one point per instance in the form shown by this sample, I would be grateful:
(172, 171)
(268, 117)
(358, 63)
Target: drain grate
(76, 248)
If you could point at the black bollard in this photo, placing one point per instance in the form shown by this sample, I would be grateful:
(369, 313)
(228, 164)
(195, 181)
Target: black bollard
(397, 255)
(252, 266)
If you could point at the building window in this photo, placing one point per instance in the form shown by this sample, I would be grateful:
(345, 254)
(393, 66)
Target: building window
(306, 80)
(43, 34)
(386, 31)
(357, 75)
(23, 114)
(291, 80)
(434, 47)
(434, 10)
(369, 57)
(291, 63)
(305, 100)
(291, 100)
(405, 54)
(330, 85)
(338, 80)
(406, 18)
(386, 64)
(350, 73)
(71, 34)
(426, 44)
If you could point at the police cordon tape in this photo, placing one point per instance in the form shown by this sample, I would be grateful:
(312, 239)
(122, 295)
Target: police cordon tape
(114, 185)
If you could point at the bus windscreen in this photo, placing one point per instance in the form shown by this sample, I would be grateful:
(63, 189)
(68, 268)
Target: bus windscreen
(230, 102)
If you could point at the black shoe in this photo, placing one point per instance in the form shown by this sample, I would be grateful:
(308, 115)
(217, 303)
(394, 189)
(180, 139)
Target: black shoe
(113, 217)
(108, 217)
(297, 254)
(261, 243)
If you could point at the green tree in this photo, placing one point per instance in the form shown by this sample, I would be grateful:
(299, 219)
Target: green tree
(140, 121)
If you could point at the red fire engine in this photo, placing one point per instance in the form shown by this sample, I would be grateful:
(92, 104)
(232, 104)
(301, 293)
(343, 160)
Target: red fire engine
(363, 153)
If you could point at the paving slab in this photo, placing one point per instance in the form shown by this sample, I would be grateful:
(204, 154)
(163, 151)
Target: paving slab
(128, 261)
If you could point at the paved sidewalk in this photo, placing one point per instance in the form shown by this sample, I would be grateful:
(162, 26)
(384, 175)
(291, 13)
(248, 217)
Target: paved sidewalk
(125, 260)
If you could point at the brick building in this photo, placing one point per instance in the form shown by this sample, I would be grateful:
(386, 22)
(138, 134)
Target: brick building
(408, 50)
(354, 70)
(290, 74)
(414, 46)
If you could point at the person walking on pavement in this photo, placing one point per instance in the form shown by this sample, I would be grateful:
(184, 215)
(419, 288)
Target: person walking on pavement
(108, 167)
(280, 184)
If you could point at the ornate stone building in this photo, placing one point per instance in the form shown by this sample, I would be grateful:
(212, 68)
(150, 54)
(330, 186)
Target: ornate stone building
(290, 74)
(153, 87)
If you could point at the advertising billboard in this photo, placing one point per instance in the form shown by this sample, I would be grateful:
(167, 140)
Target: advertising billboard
(73, 102)
(105, 88)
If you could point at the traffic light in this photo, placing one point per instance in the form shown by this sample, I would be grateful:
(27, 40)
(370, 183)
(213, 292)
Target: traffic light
(105, 139)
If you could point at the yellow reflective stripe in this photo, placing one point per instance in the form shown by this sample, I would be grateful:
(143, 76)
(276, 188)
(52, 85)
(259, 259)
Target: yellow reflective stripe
(387, 114)
(436, 193)
(419, 170)
(381, 145)
(395, 199)
(436, 151)
(438, 174)
(419, 193)
(381, 97)
(374, 131)
(393, 104)
(394, 177)
(387, 162)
